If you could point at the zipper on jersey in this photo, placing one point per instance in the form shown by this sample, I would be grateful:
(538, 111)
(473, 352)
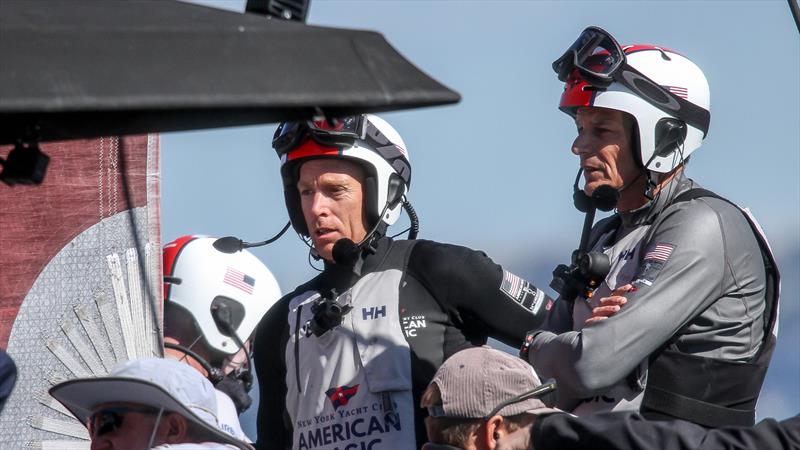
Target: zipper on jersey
(297, 347)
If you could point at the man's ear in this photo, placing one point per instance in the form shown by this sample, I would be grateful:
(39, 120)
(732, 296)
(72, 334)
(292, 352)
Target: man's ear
(174, 427)
(493, 430)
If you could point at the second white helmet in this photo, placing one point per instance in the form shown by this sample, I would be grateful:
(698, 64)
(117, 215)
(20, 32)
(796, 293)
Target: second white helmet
(211, 286)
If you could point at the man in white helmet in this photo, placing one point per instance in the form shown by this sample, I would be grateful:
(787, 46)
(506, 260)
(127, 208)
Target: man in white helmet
(689, 282)
(213, 301)
(342, 361)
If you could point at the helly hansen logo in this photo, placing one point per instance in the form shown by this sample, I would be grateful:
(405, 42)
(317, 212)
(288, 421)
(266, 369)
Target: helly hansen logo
(626, 254)
(373, 312)
(340, 395)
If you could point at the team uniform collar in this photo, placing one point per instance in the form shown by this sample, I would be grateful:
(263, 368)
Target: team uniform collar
(342, 277)
(650, 210)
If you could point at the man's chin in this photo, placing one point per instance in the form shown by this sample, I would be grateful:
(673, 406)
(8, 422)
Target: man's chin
(324, 250)
(592, 186)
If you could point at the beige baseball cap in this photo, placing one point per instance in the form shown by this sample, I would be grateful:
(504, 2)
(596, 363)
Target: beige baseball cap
(480, 382)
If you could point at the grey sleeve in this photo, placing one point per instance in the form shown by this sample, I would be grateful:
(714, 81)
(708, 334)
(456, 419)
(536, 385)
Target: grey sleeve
(669, 295)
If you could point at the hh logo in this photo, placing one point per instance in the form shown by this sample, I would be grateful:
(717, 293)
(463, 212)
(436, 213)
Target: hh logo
(341, 395)
(373, 312)
(626, 254)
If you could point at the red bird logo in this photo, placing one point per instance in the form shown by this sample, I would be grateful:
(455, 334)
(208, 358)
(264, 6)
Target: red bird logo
(341, 395)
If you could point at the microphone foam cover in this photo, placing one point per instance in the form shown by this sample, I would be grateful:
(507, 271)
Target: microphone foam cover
(605, 197)
(345, 252)
(228, 244)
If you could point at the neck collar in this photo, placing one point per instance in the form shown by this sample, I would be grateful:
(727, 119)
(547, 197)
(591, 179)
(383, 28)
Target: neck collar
(341, 276)
(650, 210)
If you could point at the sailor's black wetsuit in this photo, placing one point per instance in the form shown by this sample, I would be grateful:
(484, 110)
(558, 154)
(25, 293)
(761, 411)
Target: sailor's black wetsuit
(358, 385)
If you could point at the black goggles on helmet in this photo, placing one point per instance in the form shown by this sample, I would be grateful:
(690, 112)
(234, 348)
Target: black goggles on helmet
(600, 60)
(336, 132)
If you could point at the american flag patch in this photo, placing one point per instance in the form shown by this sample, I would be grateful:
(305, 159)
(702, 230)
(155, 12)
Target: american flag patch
(239, 280)
(659, 252)
(512, 285)
(681, 92)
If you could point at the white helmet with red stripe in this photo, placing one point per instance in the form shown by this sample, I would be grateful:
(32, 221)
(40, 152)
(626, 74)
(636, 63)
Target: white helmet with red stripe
(204, 282)
(378, 148)
(660, 149)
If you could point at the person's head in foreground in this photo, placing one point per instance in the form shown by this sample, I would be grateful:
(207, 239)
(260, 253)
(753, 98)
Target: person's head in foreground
(480, 395)
(146, 403)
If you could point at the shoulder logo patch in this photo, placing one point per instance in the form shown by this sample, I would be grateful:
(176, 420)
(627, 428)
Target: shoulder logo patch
(522, 292)
(654, 259)
(659, 252)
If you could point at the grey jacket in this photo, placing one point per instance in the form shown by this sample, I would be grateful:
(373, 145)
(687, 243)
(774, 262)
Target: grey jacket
(701, 286)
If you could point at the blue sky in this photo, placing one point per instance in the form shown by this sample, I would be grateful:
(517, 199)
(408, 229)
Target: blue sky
(495, 172)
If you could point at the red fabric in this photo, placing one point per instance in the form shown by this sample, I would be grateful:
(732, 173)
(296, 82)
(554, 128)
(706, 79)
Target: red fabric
(170, 253)
(310, 148)
(82, 186)
(574, 95)
(628, 49)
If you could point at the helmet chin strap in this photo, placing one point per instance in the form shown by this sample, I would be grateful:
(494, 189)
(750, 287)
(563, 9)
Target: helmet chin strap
(632, 182)
(652, 184)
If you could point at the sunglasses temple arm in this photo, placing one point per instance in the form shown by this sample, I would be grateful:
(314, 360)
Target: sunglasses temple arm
(155, 427)
(546, 388)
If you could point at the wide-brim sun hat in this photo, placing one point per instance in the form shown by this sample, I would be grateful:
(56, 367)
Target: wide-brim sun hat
(153, 382)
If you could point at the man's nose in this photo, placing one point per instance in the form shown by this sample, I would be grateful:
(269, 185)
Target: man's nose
(581, 145)
(319, 204)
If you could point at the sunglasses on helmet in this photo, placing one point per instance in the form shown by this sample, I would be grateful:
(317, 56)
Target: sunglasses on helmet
(600, 60)
(107, 420)
(335, 132)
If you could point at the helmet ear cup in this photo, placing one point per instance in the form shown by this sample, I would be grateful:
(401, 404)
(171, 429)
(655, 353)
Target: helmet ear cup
(292, 199)
(370, 187)
(395, 191)
(670, 134)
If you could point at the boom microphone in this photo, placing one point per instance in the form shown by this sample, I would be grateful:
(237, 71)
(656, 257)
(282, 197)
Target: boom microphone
(232, 244)
(345, 252)
(605, 197)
